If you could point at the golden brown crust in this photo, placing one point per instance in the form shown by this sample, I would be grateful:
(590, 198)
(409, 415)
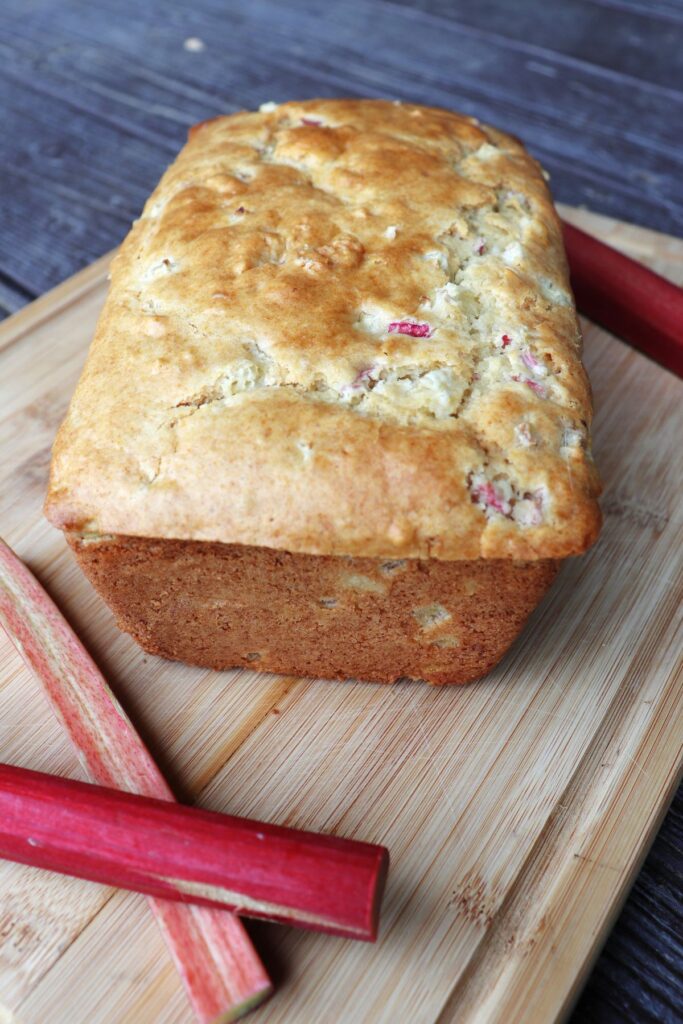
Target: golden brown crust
(224, 605)
(251, 380)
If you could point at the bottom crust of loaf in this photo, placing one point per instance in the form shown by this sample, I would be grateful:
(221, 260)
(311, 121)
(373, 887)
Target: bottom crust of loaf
(227, 605)
(224, 605)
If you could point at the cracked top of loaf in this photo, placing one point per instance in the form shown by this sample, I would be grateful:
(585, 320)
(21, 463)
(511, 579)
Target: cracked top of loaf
(339, 327)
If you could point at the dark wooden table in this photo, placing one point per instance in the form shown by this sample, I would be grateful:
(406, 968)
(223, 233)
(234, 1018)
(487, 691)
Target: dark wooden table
(97, 97)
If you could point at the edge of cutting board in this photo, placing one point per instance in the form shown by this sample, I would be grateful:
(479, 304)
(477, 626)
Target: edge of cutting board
(57, 299)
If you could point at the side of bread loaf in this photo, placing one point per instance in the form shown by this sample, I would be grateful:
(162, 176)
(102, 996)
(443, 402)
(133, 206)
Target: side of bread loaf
(225, 605)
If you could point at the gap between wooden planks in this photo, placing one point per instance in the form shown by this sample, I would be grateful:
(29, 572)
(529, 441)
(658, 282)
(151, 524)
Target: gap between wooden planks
(517, 811)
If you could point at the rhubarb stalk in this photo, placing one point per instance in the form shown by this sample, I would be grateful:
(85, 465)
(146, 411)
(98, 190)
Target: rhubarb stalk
(165, 849)
(220, 969)
(630, 300)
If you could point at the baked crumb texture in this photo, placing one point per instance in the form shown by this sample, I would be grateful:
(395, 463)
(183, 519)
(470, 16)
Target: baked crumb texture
(224, 605)
(339, 328)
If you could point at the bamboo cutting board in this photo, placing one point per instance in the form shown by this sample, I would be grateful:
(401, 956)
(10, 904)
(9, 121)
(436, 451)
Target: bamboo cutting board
(517, 810)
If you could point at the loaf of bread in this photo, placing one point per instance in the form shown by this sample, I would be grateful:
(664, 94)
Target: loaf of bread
(334, 419)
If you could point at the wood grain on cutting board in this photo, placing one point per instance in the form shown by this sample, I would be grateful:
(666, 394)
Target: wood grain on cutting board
(517, 810)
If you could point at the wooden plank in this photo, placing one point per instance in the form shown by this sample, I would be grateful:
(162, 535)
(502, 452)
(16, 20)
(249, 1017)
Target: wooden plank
(631, 39)
(92, 279)
(516, 810)
(12, 296)
(92, 112)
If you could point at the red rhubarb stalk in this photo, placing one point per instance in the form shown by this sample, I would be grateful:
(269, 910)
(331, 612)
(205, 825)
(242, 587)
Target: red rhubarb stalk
(213, 954)
(627, 298)
(183, 853)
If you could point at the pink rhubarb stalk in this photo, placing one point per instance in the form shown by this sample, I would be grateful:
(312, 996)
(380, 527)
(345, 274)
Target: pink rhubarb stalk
(220, 969)
(627, 298)
(184, 853)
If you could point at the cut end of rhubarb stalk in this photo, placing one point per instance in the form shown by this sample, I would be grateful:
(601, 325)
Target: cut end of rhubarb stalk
(244, 1008)
(380, 885)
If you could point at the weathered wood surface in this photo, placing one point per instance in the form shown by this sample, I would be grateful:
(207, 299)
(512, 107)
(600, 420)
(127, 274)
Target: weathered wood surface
(517, 811)
(97, 96)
